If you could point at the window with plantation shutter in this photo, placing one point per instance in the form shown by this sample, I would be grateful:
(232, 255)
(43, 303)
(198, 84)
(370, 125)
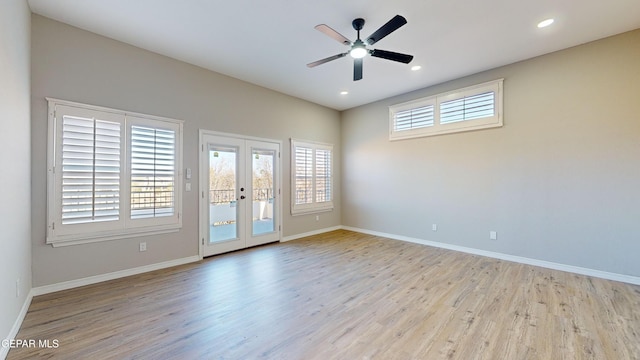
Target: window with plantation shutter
(112, 174)
(472, 108)
(312, 177)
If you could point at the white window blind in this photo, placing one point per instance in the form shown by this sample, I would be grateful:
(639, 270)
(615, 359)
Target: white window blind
(415, 118)
(90, 170)
(112, 174)
(312, 177)
(303, 175)
(323, 175)
(472, 108)
(152, 172)
(468, 108)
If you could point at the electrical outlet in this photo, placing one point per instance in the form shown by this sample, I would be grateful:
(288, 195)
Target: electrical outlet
(17, 287)
(317, 217)
(143, 246)
(493, 235)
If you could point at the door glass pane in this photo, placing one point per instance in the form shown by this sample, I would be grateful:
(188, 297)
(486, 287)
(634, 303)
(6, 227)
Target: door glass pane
(223, 210)
(263, 191)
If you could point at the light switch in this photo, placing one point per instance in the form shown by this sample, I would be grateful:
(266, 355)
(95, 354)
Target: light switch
(187, 175)
(187, 187)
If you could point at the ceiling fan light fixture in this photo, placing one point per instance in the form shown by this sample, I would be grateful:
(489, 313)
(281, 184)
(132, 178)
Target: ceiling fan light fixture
(358, 50)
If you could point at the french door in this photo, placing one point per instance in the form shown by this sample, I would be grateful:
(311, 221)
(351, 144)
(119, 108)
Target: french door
(239, 192)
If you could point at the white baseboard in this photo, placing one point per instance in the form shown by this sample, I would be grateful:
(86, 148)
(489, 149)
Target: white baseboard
(41, 290)
(310, 233)
(635, 280)
(4, 351)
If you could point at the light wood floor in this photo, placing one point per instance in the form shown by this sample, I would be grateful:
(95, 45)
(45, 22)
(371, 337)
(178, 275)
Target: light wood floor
(341, 295)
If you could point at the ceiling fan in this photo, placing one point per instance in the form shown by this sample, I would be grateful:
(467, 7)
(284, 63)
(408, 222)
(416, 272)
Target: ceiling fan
(359, 48)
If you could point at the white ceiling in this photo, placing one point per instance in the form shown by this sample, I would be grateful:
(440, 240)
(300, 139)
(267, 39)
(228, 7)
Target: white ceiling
(269, 43)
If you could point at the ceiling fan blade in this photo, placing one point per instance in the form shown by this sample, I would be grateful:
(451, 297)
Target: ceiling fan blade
(325, 29)
(390, 55)
(357, 69)
(326, 60)
(386, 29)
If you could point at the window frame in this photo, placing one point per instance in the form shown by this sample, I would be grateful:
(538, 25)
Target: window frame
(59, 234)
(495, 86)
(315, 206)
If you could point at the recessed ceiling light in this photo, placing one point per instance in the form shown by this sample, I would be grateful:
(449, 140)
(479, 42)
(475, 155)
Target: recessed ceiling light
(545, 23)
(416, 68)
(344, 92)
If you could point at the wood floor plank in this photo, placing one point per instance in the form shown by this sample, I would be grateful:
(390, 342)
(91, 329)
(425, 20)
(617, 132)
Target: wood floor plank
(340, 295)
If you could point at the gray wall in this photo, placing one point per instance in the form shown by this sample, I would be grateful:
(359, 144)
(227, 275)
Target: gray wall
(76, 65)
(559, 182)
(15, 157)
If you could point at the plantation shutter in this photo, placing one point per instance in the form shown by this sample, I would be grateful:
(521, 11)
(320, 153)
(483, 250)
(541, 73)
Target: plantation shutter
(414, 118)
(303, 175)
(153, 169)
(468, 108)
(323, 175)
(90, 165)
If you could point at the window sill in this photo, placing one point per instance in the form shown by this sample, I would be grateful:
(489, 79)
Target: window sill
(444, 129)
(310, 211)
(62, 241)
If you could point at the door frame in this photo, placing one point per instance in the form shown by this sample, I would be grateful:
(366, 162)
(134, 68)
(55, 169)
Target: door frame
(203, 174)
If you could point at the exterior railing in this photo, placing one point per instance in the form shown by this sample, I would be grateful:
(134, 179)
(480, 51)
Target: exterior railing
(304, 196)
(229, 195)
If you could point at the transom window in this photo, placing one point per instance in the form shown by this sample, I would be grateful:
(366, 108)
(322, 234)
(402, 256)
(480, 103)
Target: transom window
(112, 174)
(472, 108)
